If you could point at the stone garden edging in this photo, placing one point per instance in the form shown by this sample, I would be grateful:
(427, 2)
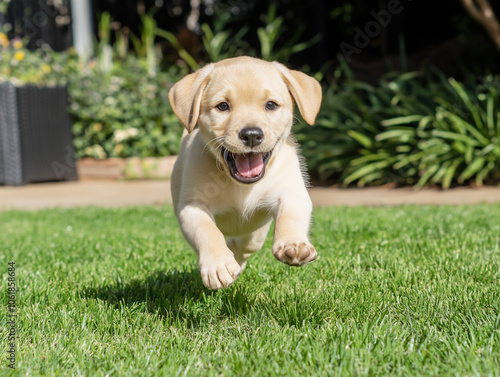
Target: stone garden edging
(126, 168)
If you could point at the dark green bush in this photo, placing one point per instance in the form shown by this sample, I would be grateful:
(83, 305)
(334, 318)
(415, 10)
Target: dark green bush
(408, 130)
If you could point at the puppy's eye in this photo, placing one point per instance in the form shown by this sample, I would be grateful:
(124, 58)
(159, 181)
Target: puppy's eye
(223, 106)
(270, 105)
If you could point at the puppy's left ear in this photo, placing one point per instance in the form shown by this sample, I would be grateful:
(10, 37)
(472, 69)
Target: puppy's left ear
(305, 90)
(185, 96)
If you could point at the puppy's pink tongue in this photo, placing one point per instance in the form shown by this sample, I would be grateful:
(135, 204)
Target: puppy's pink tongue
(249, 165)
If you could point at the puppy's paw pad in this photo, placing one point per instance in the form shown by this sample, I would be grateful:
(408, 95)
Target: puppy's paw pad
(295, 253)
(219, 273)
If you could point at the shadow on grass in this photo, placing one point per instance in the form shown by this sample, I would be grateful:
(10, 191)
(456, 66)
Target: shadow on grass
(180, 298)
(177, 296)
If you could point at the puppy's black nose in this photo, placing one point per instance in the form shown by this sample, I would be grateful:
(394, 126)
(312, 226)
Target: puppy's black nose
(251, 136)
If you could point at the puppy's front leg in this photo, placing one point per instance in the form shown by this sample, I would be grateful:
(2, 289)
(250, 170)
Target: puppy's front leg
(218, 266)
(291, 243)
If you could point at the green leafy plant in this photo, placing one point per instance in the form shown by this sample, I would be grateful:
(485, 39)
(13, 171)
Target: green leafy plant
(342, 144)
(170, 37)
(408, 130)
(4, 5)
(387, 152)
(145, 47)
(41, 67)
(118, 101)
(222, 44)
(125, 113)
(104, 50)
(270, 35)
(461, 139)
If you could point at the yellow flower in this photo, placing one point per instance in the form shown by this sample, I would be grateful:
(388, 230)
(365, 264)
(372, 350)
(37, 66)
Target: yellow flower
(118, 149)
(46, 68)
(17, 44)
(4, 41)
(19, 56)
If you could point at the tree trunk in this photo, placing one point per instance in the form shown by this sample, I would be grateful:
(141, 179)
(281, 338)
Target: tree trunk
(483, 13)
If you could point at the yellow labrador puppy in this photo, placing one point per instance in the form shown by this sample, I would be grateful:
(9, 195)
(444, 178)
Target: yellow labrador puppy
(240, 169)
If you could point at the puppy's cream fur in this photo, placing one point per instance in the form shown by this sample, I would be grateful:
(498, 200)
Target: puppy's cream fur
(223, 219)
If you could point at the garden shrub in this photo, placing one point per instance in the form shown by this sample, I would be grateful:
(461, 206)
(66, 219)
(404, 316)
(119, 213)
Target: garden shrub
(42, 67)
(124, 113)
(408, 129)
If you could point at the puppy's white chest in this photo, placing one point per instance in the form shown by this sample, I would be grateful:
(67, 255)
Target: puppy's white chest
(233, 224)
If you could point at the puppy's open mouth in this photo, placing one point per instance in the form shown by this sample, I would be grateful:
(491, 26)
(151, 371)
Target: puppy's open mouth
(246, 167)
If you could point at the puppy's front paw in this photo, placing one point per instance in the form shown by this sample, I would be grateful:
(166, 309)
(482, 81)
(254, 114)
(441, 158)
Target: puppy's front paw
(219, 272)
(294, 253)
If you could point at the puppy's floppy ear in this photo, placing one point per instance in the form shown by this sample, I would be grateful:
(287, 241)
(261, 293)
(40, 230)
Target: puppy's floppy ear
(305, 90)
(185, 96)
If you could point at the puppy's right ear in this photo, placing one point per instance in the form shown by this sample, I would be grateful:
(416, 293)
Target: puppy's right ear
(185, 96)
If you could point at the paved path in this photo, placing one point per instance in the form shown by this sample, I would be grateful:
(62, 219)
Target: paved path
(129, 193)
(84, 193)
(382, 196)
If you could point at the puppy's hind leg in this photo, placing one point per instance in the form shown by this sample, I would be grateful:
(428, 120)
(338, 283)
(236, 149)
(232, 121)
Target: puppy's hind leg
(243, 247)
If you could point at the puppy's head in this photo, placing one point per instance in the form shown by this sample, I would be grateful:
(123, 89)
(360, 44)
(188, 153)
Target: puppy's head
(244, 109)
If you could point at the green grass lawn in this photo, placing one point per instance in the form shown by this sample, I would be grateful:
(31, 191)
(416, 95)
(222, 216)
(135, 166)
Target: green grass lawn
(404, 291)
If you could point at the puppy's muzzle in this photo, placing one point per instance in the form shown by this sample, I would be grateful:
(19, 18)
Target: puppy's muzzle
(248, 167)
